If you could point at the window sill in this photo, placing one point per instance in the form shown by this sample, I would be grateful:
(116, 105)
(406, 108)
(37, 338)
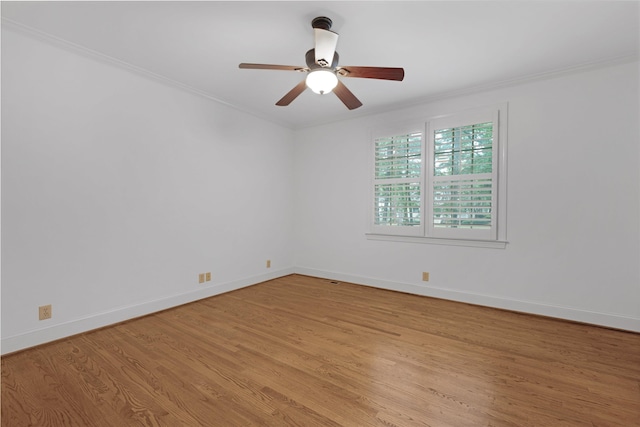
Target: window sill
(492, 244)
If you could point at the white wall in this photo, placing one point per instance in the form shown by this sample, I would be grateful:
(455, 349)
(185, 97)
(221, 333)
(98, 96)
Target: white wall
(573, 204)
(117, 190)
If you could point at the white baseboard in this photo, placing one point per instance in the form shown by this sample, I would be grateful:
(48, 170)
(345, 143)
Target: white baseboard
(99, 320)
(567, 313)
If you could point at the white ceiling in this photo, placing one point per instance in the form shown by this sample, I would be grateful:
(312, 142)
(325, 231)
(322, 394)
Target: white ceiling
(444, 47)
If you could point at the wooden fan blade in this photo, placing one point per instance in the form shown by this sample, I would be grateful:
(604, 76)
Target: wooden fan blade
(292, 94)
(383, 73)
(272, 67)
(325, 46)
(347, 98)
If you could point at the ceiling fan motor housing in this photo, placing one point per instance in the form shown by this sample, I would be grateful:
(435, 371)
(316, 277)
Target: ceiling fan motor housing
(310, 59)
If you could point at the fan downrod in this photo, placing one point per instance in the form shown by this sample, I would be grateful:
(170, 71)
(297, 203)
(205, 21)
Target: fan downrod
(322, 22)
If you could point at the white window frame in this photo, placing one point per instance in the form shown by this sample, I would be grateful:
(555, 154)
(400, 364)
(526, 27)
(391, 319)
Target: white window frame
(496, 237)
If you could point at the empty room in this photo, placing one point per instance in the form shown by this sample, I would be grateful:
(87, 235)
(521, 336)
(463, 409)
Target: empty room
(300, 213)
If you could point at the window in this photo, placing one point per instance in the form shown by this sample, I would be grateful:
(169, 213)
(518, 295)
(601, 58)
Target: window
(444, 180)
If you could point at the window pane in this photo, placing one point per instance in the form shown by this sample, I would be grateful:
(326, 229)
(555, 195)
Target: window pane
(463, 150)
(462, 204)
(397, 204)
(398, 156)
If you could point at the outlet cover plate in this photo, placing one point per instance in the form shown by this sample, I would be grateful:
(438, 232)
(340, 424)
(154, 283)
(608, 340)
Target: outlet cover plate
(44, 312)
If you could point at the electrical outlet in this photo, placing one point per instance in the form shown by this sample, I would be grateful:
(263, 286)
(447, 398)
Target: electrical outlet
(268, 263)
(208, 277)
(425, 276)
(44, 312)
(201, 278)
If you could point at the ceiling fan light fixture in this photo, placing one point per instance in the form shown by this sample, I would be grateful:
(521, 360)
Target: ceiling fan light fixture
(322, 81)
(323, 69)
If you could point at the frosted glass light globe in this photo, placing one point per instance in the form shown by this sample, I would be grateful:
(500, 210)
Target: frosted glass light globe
(322, 81)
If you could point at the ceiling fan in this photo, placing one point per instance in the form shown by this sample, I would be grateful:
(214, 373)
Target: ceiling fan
(322, 68)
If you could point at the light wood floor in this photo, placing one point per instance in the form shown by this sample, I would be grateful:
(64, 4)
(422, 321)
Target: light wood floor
(300, 351)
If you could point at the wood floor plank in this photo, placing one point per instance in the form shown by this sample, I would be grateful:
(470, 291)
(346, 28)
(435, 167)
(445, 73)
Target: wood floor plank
(303, 351)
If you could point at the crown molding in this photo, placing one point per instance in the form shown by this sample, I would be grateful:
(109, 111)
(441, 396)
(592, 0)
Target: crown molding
(109, 60)
(496, 85)
(499, 84)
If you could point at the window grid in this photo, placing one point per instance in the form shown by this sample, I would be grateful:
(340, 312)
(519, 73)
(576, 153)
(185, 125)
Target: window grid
(463, 150)
(462, 180)
(462, 204)
(397, 204)
(398, 170)
(398, 156)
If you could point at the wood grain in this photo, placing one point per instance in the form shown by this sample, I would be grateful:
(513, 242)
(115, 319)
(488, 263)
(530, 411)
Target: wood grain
(301, 351)
(346, 96)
